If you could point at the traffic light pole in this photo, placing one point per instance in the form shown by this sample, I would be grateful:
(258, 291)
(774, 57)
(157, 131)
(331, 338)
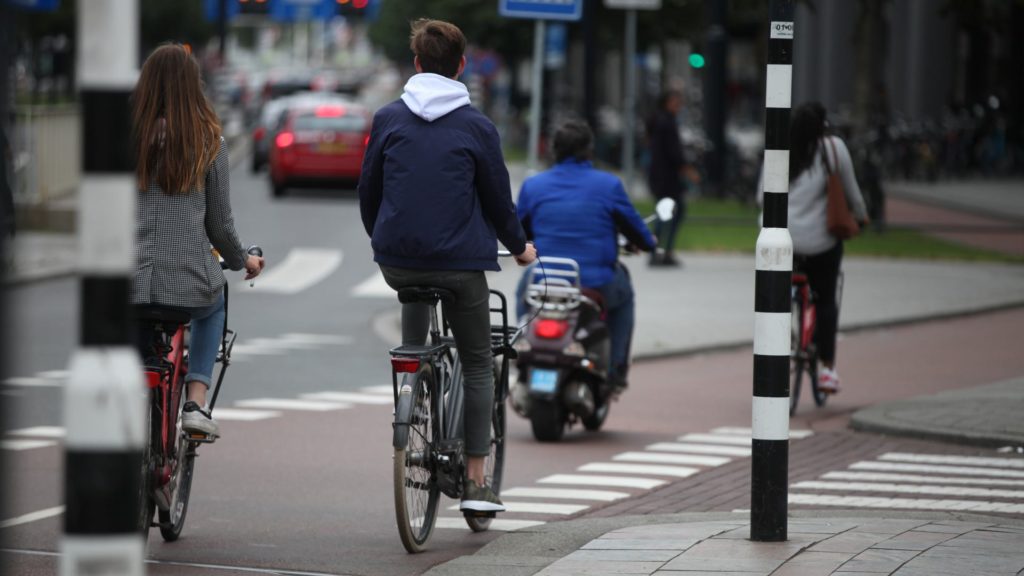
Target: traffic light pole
(769, 486)
(629, 112)
(537, 93)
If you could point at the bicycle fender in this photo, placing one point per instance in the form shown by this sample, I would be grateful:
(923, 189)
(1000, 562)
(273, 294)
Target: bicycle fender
(403, 416)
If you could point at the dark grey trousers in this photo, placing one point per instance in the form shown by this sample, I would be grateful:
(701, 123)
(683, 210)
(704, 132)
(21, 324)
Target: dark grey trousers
(470, 320)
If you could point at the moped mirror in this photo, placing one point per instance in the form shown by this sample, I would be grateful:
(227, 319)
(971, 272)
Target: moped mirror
(665, 209)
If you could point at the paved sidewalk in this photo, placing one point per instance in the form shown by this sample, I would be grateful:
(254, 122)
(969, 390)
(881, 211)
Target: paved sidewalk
(1000, 199)
(990, 415)
(719, 545)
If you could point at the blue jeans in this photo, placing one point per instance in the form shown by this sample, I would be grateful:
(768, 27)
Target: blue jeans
(620, 304)
(206, 333)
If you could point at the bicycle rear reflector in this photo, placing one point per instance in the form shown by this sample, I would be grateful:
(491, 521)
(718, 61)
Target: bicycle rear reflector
(408, 365)
(152, 379)
(551, 329)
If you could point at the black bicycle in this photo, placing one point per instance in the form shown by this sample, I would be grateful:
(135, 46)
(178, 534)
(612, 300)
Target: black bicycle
(429, 459)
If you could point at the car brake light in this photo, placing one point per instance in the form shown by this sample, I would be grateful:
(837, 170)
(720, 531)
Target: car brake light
(284, 139)
(330, 111)
(551, 329)
(406, 365)
(259, 133)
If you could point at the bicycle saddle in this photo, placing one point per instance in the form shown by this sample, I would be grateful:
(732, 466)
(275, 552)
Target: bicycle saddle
(154, 313)
(427, 294)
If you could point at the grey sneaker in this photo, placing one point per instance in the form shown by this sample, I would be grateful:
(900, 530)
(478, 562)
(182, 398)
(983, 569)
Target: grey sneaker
(480, 499)
(195, 420)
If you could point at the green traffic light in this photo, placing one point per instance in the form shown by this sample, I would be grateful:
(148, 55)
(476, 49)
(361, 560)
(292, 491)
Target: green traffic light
(697, 60)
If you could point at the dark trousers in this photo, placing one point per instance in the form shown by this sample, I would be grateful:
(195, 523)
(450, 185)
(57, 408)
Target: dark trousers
(470, 321)
(823, 276)
(666, 231)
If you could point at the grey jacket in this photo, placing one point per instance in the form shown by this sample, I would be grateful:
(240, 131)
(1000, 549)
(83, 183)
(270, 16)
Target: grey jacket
(174, 264)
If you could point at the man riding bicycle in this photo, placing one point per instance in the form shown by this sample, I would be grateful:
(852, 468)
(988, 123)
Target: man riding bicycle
(435, 197)
(575, 211)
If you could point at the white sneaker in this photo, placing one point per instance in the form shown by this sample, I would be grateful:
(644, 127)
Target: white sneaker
(197, 420)
(828, 381)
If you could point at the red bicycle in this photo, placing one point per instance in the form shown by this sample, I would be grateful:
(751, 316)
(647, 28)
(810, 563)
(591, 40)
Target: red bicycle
(169, 456)
(803, 351)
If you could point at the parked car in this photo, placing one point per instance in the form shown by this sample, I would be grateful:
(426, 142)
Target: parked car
(321, 144)
(271, 118)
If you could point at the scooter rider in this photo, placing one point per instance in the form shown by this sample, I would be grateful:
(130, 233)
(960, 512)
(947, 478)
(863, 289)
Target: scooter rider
(575, 211)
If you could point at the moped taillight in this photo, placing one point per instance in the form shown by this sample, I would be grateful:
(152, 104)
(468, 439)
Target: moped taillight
(551, 329)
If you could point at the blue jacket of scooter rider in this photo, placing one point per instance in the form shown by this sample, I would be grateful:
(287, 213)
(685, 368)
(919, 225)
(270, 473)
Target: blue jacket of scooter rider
(434, 192)
(573, 211)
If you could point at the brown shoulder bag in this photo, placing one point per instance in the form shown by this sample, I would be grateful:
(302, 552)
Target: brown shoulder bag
(839, 219)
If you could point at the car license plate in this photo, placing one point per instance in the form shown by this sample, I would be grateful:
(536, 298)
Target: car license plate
(543, 380)
(332, 148)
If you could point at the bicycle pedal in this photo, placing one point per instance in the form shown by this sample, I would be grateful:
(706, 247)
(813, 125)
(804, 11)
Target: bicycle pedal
(201, 438)
(476, 514)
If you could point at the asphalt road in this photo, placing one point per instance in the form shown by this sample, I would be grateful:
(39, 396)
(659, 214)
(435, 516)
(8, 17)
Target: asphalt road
(306, 487)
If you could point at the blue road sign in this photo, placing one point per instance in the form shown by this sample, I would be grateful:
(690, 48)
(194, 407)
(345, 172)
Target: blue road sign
(37, 5)
(542, 9)
(303, 10)
(211, 10)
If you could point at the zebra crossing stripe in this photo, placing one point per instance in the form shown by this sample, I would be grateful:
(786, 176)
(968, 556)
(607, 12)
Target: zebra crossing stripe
(301, 269)
(373, 287)
(325, 339)
(32, 517)
(39, 432)
(910, 489)
(655, 458)
(730, 439)
(676, 471)
(55, 374)
(19, 445)
(952, 459)
(229, 414)
(700, 448)
(291, 404)
(564, 494)
(31, 382)
(735, 431)
(617, 481)
(959, 470)
(499, 524)
(906, 503)
(914, 478)
(538, 508)
(380, 389)
(350, 397)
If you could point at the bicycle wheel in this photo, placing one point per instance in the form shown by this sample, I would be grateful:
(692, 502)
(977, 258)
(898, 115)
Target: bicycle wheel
(416, 492)
(494, 466)
(145, 517)
(172, 520)
(797, 358)
(820, 396)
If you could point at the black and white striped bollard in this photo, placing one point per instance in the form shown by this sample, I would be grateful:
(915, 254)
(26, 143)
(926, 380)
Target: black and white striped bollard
(103, 402)
(769, 487)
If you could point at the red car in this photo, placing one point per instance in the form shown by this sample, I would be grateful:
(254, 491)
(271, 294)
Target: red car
(319, 144)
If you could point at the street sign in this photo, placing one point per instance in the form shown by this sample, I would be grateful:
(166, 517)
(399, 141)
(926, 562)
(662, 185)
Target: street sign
(633, 4)
(542, 9)
(37, 5)
(303, 10)
(211, 10)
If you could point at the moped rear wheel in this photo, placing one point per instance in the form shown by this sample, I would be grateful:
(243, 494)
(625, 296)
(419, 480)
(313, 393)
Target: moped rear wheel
(547, 420)
(415, 490)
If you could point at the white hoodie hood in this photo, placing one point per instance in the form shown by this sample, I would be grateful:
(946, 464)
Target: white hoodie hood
(431, 96)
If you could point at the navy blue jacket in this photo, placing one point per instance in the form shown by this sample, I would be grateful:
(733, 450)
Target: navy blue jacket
(435, 195)
(573, 211)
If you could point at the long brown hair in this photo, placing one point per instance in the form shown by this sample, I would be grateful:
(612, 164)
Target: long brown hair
(177, 133)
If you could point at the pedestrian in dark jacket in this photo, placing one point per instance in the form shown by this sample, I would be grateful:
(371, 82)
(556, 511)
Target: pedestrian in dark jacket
(435, 198)
(666, 172)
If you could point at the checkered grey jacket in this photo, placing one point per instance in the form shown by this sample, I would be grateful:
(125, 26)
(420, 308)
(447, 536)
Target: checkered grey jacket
(174, 265)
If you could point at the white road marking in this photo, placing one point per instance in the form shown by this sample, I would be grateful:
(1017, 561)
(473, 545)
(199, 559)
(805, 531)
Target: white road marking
(350, 397)
(538, 508)
(246, 349)
(19, 445)
(381, 389)
(291, 404)
(657, 458)
(281, 343)
(883, 477)
(732, 430)
(499, 524)
(952, 459)
(33, 382)
(909, 489)
(336, 339)
(373, 287)
(229, 414)
(676, 471)
(39, 432)
(300, 269)
(55, 374)
(906, 503)
(700, 448)
(564, 494)
(960, 470)
(730, 439)
(32, 517)
(584, 480)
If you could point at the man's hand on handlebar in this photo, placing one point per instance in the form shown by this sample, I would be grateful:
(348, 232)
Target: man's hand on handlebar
(528, 255)
(253, 266)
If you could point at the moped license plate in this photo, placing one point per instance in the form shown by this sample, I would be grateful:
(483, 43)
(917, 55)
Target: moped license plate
(543, 380)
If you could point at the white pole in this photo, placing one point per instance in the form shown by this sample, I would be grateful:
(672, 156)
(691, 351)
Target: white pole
(629, 108)
(103, 402)
(537, 93)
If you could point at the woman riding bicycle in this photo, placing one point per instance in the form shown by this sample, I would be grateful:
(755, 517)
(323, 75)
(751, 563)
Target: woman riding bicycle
(183, 207)
(816, 252)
